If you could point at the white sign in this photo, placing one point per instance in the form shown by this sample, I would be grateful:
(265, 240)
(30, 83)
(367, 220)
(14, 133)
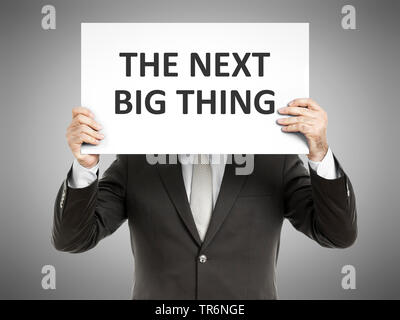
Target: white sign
(189, 88)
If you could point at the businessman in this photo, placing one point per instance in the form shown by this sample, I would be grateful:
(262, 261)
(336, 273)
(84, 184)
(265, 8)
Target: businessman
(198, 230)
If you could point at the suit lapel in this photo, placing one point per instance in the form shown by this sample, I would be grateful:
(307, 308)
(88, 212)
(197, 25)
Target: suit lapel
(171, 175)
(230, 188)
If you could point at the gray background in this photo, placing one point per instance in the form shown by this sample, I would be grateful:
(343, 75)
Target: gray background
(354, 76)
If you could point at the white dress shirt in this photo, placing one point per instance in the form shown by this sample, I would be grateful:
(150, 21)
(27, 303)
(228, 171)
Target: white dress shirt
(82, 177)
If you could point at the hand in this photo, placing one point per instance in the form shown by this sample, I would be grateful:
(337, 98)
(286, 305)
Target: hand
(311, 120)
(83, 128)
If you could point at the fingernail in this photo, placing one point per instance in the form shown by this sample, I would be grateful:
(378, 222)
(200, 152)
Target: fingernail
(101, 136)
(281, 109)
(278, 120)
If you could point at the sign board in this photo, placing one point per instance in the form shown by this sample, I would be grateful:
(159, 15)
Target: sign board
(194, 87)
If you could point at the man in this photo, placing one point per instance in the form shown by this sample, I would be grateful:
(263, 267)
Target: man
(198, 230)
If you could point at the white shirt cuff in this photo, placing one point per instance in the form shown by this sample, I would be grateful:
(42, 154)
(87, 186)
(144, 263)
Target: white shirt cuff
(326, 168)
(82, 177)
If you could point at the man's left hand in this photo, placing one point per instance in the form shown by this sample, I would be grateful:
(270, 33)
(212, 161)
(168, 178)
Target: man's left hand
(311, 120)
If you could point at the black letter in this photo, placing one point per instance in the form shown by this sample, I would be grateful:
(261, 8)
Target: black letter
(138, 102)
(236, 96)
(241, 64)
(260, 56)
(125, 101)
(218, 64)
(161, 103)
(185, 94)
(201, 101)
(271, 103)
(128, 56)
(168, 64)
(144, 64)
(223, 101)
(206, 70)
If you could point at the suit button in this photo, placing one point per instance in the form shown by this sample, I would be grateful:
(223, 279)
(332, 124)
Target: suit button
(203, 258)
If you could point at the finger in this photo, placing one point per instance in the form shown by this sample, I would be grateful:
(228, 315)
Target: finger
(293, 120)
(80, 119)
(82, 110)
(298, 127)
(296, 111)
(83, 137)
(73, 134)
(305, 103)
(89, 131)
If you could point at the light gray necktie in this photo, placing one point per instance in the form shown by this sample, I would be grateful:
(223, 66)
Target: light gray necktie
(201, 201)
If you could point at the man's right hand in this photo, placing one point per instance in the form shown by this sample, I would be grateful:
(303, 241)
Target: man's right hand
(83, 128)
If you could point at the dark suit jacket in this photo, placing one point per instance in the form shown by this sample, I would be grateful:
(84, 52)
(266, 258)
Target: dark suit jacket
(242, 242)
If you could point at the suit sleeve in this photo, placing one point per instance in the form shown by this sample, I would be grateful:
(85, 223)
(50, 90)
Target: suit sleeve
(323, 209)
(84, 216)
